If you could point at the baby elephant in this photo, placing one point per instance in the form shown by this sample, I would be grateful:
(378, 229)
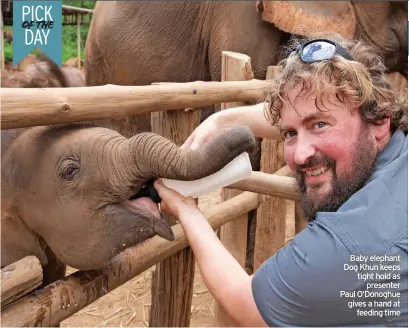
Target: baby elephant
(44, 74)
(68, 190)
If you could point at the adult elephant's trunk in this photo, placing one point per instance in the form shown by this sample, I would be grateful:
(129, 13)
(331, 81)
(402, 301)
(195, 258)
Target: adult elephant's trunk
(157, 157)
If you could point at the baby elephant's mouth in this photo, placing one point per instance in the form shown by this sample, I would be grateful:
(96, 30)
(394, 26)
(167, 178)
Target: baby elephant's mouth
(144, 209)
(148, 190)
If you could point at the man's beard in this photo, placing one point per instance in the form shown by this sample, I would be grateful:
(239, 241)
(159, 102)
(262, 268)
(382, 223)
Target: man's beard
(342, 188)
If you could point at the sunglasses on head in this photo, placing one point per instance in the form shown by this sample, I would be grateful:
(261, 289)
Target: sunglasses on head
(320, 49)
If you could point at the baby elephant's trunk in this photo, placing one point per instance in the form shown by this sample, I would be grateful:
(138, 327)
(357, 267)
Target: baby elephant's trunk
(160, 158)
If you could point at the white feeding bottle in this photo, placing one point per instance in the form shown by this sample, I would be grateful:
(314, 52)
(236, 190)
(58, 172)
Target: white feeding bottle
(238, 169)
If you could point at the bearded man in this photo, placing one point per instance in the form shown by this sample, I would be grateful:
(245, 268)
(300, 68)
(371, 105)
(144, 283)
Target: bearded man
(345, 137)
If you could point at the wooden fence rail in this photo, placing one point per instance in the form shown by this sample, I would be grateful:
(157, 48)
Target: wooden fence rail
(60, 300)
(20, 278)
(78, 9)
(269, 184)
(24, 107)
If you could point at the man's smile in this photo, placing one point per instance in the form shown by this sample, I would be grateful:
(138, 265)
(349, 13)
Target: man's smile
(316, 177)
(316, 170)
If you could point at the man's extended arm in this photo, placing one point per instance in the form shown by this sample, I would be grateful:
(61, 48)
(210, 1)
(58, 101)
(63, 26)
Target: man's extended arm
(227, 280)
(236, 295)
(252, 116)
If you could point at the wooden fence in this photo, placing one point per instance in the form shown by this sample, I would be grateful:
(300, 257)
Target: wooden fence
(272, 189)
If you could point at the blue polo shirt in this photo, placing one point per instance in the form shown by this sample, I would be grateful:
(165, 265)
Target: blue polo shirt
(350, 267)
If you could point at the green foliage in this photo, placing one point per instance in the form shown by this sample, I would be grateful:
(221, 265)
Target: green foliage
(8, 54)
(8, 48)
(69, 41)
(69, 34)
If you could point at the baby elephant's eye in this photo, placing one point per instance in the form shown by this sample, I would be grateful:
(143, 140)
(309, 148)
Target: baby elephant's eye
(70, 172)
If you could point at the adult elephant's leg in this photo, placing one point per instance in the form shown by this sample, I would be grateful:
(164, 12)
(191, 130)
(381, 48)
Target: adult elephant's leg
(98, 74)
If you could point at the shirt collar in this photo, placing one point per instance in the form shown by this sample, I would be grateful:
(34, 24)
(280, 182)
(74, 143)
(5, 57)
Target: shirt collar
(396, 146)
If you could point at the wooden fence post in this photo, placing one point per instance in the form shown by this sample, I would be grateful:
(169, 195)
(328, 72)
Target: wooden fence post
(172, 280)
(235, 67)
(272, 212)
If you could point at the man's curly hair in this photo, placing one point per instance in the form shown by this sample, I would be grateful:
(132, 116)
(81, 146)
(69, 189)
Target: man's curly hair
(361, 83)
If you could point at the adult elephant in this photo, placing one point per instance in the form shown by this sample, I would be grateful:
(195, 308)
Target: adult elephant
(141, 42)
(138, 43)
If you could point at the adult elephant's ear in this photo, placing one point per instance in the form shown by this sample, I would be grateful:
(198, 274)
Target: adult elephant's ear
(306, 17)
(383, 24)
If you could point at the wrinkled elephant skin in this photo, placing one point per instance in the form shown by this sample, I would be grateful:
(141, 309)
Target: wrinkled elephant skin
(142, 42)
(174, 41)
(67, 191)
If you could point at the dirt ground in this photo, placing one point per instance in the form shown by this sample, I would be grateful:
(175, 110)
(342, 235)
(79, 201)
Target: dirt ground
(129, 304)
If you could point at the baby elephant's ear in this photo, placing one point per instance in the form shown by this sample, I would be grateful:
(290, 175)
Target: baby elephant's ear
(18, 241)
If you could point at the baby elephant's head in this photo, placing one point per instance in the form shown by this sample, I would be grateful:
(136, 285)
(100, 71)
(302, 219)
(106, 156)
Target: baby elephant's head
(75, 186)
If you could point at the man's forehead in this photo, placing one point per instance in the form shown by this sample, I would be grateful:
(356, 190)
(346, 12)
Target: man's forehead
(301, 107)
